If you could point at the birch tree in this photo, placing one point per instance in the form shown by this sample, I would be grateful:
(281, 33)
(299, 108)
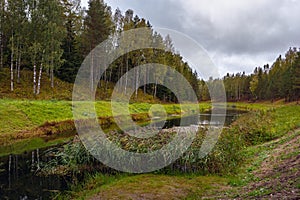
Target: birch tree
(34, 45)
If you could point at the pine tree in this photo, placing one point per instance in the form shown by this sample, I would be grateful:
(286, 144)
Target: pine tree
(97, 28)
(2, 24)
(71, 54)
(296, 78)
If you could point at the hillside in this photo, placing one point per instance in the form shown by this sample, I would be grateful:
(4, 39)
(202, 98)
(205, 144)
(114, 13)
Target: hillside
(24, 89)
(61, 91)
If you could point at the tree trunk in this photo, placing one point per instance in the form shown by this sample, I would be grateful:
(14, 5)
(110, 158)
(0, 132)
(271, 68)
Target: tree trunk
(34, 78)
(155, 89)
(12, 66)
(52, 74)
(137, 83)
(40, 78)
(1, 47)
(92, 73)
(1, 33)
(126, 76)
(19, 67)
(145, 80)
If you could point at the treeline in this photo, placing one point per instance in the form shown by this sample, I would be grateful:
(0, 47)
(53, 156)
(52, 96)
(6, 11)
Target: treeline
(53, 37)
(281, 80)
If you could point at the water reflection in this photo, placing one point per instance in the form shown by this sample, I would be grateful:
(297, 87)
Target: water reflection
(18, 180)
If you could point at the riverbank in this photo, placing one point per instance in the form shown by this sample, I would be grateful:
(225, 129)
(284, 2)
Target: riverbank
(27, 125)
(269, 133)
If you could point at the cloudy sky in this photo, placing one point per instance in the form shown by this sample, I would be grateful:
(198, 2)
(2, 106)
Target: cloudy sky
(238, 35)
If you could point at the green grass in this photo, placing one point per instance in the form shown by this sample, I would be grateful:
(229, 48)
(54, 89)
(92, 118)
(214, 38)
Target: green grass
(24, 115)
(17, 115)
(256, 106)
(152, 186)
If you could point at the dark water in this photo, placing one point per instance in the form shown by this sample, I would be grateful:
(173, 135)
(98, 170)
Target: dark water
(18, 179)
(17, 172)
(204, 119)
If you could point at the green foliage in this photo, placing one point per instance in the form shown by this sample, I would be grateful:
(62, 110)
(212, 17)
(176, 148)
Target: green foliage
(66, 160)
(224, 158)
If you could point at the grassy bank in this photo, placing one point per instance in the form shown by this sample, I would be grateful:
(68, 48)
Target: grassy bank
(43, 120)
(269, 166)
(19, 115)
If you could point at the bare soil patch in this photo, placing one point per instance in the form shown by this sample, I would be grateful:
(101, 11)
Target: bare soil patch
(279, 174)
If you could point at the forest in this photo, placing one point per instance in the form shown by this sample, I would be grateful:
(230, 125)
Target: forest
(281, 80)
(52, 37)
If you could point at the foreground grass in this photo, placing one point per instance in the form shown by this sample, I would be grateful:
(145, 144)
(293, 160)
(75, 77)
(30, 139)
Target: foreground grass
(260, 174)
(148, 186)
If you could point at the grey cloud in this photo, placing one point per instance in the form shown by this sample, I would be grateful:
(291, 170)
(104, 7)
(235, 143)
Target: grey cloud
(258, 30)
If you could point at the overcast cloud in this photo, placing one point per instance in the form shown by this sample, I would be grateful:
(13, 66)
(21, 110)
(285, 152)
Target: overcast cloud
(239, 35)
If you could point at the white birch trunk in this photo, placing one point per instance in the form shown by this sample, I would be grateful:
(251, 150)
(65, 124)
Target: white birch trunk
(34, 78)
(40, 78)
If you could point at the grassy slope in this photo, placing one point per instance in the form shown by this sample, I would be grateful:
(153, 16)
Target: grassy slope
(264, 168)
(24, 89)
(271, 170)
(61, 91)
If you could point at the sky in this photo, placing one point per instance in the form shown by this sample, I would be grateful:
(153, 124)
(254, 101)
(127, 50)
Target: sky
(238, 35)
